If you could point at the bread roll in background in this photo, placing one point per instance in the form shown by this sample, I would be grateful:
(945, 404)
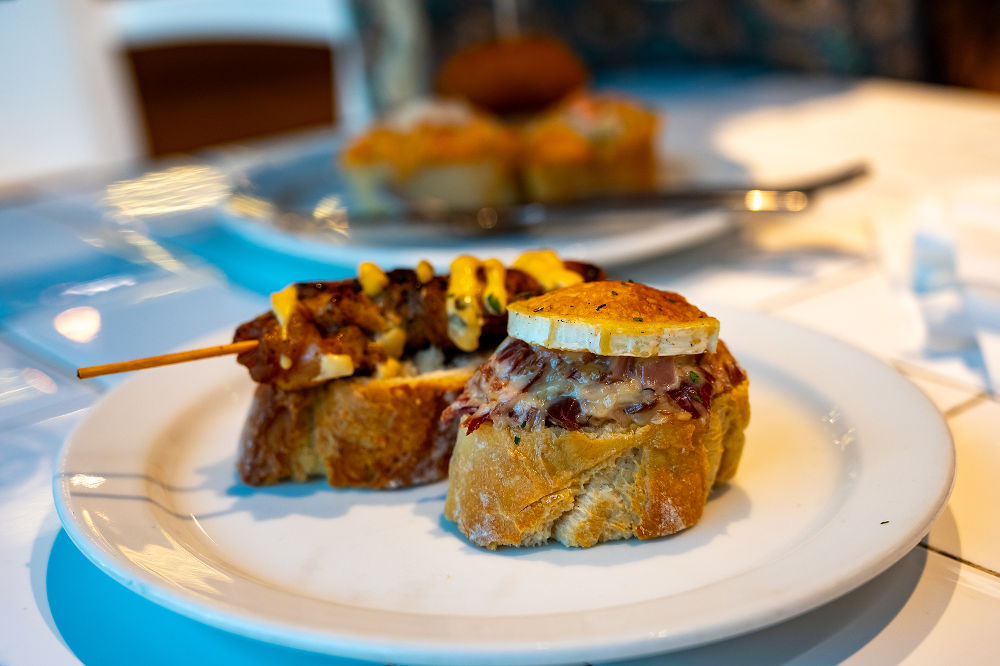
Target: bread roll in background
(354, 374)
(513, 75)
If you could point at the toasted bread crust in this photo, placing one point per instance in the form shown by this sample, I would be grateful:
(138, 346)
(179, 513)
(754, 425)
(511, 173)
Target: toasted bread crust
(614, 318)
(620, 303)
(582, 488)
(358, 432)
(522, 74)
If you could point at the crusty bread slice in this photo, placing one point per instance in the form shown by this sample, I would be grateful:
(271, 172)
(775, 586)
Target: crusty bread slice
(582, 488)
(544, 181)
(459, 186)
(358, 432)
(614, 318)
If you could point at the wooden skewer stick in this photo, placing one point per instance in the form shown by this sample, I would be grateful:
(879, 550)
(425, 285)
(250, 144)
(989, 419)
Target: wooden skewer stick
(166, 359)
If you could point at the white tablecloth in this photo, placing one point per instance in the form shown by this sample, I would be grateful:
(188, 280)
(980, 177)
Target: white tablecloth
(905, 265)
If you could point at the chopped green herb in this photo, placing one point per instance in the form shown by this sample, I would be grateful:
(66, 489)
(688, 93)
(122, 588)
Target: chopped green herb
(602, 305)
(524, 294)
(636, 318)
(614, 293)
(884, 522)
(517, 440)
(539, 309)
(524, 423)
(493, 302)
(696, 397)
(694, 376)
(672, 300)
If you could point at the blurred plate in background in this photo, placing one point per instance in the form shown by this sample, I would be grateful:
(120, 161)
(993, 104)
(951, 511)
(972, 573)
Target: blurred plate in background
(301, 205)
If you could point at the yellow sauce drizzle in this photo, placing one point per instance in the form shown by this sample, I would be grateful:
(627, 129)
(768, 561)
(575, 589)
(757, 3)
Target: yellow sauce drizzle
(462, 305)
(372, 278)
(283, 305)
(546, 267)
(425, 271)
(495, 293)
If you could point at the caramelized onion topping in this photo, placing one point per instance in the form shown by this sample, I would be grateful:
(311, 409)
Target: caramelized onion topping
(528, 387)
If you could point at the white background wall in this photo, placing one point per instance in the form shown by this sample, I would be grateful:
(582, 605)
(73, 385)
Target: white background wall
(63, 103)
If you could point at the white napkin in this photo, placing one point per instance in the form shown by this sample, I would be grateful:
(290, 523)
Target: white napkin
(955, 270)
(974, 211)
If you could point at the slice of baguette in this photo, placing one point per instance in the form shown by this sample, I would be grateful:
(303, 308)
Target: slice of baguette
(582, 488)
(358, 432)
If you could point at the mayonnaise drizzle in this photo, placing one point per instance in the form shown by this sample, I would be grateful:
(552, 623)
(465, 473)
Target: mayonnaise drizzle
(283, 304)
(546, 267)
(468, 298)
(495, 293)
(372, 278)
(462, 305)
(425, 271)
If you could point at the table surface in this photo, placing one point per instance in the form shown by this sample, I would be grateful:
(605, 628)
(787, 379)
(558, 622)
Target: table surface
(905, 265)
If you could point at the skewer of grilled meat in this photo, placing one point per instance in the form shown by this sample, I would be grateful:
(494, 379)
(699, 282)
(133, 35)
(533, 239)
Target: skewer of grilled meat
(340, 391)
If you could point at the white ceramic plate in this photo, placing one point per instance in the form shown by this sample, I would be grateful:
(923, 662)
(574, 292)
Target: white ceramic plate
(623, 237)
(845, 468)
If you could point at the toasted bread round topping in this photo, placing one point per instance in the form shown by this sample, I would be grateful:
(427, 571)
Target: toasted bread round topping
(614, 318)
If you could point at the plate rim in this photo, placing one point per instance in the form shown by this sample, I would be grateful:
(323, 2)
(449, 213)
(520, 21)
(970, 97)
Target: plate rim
(780, 607)
(691, 229)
